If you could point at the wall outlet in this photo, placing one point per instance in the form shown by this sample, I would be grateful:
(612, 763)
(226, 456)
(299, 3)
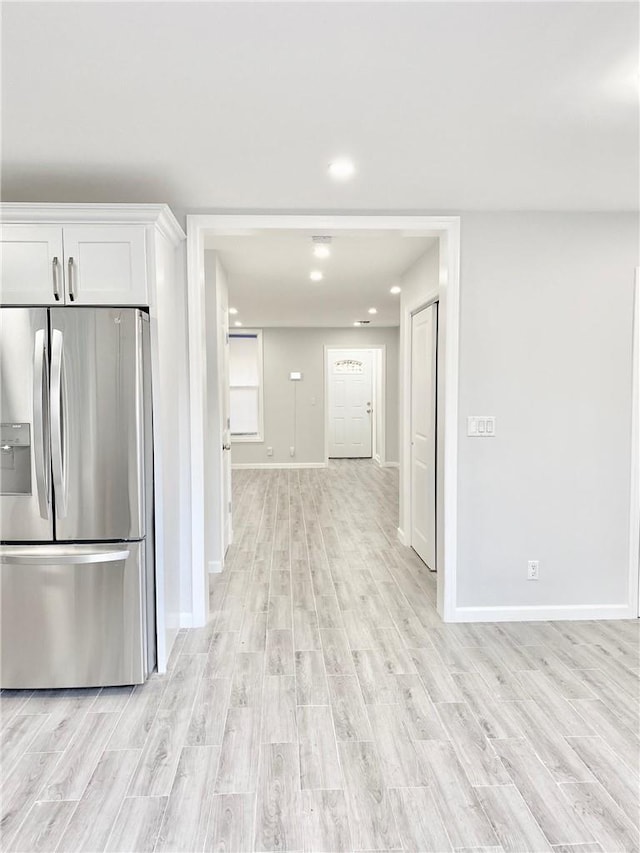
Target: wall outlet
(533, 570)
(269, 451)
(292, 451)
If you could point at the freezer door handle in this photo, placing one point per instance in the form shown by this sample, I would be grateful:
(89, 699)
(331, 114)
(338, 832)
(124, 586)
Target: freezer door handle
(40, 438)
(58, 423)
(59, 558)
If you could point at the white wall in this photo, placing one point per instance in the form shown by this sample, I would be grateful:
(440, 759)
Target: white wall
(546, 338)
(288, 349)
(170, 379)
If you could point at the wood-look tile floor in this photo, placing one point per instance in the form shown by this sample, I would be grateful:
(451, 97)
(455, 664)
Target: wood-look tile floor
(327, 708)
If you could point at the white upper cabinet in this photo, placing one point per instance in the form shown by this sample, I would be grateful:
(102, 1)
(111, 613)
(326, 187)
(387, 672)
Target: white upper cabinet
(105, 265)
(31, 265)
(74, 264)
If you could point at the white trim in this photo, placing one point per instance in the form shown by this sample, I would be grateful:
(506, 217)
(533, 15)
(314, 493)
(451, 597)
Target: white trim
(634, 524)
(447, 228)
(401, 537)
(159, 215)
(239, 466)
(390, 465)
(215, 567)
(197, 396)
(544, 613)
(185, 620)
(378, 370)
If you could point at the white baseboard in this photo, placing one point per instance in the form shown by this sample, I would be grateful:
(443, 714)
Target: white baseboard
(401, 538)
(543, 613)
(249, 465)
(215, 567)
(377, 460)
(186, 620)
(390, 464)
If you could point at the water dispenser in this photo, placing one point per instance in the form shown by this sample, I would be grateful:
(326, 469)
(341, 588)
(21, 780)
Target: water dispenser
(15, 459)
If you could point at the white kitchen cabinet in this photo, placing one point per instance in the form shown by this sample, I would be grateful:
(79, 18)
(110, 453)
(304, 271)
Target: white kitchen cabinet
(76, 264)
(31, 265)
(105, 265)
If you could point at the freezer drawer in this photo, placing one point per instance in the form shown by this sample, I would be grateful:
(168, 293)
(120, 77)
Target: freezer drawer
(72, 615)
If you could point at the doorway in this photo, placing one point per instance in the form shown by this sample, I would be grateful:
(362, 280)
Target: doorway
(424, 350)
(446, 230)
(355, 403)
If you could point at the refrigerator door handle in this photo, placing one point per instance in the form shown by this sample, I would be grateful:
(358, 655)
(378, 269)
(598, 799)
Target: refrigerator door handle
(57, 423)
(40, 438)
(54, 559)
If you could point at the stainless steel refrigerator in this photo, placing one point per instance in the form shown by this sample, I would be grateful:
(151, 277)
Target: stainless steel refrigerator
(77, 595)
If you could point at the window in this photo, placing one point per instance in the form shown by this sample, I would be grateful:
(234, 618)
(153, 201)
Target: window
(245, 381)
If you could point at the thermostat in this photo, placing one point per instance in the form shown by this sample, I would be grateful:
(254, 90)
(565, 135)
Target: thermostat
(295, 375)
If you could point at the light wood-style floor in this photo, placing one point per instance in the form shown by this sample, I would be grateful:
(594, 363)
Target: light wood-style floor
(327, 708)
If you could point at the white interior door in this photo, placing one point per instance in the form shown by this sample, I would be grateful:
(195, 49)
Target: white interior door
(424, 336)
(350, 374)
(227, 530)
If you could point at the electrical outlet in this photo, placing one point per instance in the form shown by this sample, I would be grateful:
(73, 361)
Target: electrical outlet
(292, 451)
(533, 570)
(269, 451)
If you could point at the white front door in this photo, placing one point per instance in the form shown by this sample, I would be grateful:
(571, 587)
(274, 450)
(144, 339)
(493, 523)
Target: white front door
(424, 336)
(350, 403)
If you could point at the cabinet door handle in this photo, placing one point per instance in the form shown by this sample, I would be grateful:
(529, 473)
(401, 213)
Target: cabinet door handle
(72, 291)
(56, 280)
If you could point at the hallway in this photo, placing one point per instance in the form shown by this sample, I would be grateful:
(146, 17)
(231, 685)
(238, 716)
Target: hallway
(327, 708)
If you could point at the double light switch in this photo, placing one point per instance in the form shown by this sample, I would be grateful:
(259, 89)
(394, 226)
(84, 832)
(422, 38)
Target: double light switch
(481, 426)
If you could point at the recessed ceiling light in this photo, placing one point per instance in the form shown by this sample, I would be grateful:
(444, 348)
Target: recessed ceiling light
(395, 289)
(233, 310)
(373, 310)
(316, 275)
(237, 323)
(341, 169)
(321, 247)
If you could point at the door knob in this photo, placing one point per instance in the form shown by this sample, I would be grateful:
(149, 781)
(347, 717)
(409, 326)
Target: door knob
(226, 447)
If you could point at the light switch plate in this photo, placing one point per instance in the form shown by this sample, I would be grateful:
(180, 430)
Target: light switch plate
(295, 376)
(481, 426)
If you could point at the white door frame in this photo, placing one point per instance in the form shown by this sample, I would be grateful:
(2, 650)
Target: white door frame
(447, 229)
(379, 366)
(634, 523)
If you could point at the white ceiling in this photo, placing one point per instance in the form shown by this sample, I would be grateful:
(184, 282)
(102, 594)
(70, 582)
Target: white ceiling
(443, 106)
(269, 280)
